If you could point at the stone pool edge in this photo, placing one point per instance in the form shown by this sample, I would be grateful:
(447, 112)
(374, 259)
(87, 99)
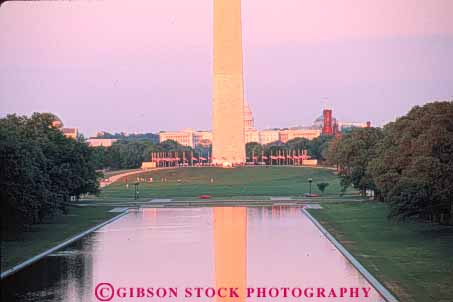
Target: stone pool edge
(383, 291)
(38, 257)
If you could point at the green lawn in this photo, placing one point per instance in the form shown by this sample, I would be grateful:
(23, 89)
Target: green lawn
(245, 181)
(41, 237)
(413, 260)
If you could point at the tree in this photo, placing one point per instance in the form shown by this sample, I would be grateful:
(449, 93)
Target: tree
(318, 146)
(330, 152)
(172, 146)
(129, 154)
(352, 153)
(41, 170)
(413, 167)
(253, 149)
(22, 186)
(299, 143)
(322, 186)
(151, 137)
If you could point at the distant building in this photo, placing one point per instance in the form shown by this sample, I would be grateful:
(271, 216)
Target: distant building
(101, 134)
(350, 125)
(70, 132)
(318, 123)
(187, 137)
(268, 136)
(192, 138)
(249, 122)
(287, 135)
(327, 126)
(57, 124)
(252, 136)
(152, 137)
(101, 142)
(332, 126)
(336, 130)
(67, 132)
(202, 138)
(184, 137)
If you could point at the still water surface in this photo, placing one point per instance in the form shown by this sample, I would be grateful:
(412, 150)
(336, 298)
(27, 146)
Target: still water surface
(193, 247)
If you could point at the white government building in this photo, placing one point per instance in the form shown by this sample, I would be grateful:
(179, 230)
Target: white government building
(193, 138)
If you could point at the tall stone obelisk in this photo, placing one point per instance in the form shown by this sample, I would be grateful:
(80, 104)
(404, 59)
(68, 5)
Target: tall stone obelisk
(228, 137)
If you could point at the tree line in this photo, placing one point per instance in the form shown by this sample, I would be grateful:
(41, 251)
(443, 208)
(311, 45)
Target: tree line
(130, 137)
(41, 170)
(316, 147)
(408, 163)
(129, 154)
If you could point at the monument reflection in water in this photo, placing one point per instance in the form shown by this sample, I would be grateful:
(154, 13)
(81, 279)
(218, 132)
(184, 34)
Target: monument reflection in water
(192, 247)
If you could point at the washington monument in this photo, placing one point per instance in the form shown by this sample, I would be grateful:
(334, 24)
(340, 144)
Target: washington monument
(228, 141)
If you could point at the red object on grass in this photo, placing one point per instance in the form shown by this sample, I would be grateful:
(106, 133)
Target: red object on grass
(311, 195)
(204, 196)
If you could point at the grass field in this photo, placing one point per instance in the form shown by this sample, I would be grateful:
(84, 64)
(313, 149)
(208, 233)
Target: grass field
(245, 181)
(41, 237)
(414, 260)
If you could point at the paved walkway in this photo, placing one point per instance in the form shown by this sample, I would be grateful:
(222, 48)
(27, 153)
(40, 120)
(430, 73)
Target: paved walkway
(114, 178)
(158, 202)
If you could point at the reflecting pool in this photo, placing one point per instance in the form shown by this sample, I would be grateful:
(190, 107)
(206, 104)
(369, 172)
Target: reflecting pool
(164, 254)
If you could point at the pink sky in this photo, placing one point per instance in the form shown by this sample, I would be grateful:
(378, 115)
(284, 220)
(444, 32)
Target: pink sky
(146, 65)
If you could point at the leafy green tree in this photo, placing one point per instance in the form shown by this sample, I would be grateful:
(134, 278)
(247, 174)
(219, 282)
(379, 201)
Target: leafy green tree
(352, 153)
(322, 186)
(330, 153)
(413, 166)
(151, 137)
(129, 154)
(299, 143)
(100, 157)
(253, 149)
(41, 170)
(22, 186)
(203, 150)
(274, 148)
(171, 146)
(317, 147)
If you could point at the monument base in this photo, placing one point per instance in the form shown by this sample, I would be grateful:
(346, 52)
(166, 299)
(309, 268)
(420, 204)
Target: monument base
(227, 164)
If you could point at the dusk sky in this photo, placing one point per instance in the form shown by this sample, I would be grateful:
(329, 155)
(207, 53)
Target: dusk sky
(144, 66)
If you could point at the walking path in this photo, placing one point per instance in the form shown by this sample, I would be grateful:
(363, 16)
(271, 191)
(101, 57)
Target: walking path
(116, 177)
(157, 202)
(107, 181)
